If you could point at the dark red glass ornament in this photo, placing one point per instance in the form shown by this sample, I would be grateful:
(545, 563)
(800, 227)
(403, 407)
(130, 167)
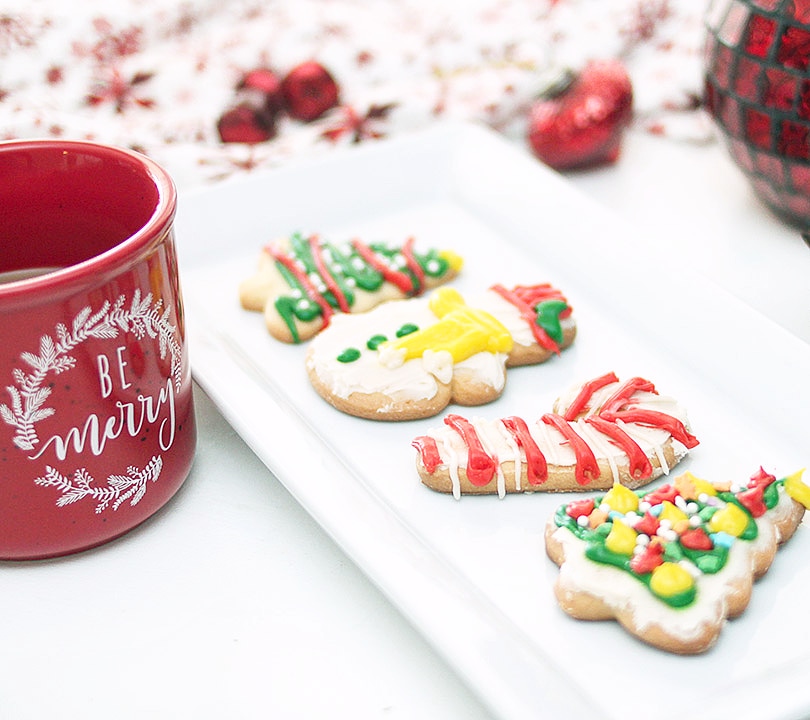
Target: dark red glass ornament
(757, 90)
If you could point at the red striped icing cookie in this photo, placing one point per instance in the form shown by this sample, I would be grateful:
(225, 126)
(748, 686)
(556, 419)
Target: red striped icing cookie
(600, 432)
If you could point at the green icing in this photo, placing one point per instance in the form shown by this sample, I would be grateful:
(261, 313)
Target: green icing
(375, 341)
(599, 553)
(407, 329)
(348, 270)
(548, 318)
(771, 496)
(707, 561)
(349, 355)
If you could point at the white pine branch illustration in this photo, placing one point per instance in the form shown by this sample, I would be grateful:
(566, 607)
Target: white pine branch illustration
(118, 489)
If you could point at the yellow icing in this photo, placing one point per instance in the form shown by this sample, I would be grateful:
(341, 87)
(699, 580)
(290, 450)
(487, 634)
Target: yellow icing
(673, 513)
(621, 539)
(691, 487)
(462, 331)
(621, 499)
(452, 259)
(798, 489)
(730, 519)
(670, 579)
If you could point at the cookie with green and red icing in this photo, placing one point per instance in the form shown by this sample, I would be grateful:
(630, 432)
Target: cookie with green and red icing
(303, 281)
(597, 433)
(408, 359)
(672, 564)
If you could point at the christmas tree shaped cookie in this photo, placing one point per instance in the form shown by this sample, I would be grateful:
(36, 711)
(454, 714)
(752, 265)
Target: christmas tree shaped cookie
(672, 564)
(302, 282)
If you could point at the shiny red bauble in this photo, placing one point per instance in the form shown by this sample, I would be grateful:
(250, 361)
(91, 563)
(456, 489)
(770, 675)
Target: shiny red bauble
(309, 91)
(581, 125)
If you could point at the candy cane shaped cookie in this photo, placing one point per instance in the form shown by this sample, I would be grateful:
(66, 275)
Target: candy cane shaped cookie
(408, 359)
(601, 432)
(671, 565)
(302, 282)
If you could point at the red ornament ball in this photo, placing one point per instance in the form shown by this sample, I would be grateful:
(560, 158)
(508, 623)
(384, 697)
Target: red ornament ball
(243, 124)
(582, 125)
(257, 103)
(309, 91)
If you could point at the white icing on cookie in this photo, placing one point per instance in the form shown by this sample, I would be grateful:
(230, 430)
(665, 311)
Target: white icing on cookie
(384, 371)
(621, 591)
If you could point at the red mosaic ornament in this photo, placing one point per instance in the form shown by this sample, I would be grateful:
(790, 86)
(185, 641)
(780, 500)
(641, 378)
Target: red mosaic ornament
(582, 125)
(756, 89)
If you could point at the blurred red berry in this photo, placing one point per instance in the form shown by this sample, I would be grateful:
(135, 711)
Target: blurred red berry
(257, 104)
(582, 126)
(243, 124)
(309, 91)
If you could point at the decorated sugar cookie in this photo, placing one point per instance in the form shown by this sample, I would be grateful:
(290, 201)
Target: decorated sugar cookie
(672, 564)
(408, 359)
(302, 282)
(600, 432)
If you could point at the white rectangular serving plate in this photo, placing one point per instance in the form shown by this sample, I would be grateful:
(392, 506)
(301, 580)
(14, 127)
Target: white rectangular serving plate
(472, 574)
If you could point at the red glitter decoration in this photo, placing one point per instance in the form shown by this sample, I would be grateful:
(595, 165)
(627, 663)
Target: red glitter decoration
(583, 125)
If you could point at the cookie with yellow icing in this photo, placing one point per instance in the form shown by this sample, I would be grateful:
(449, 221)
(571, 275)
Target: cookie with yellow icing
(408, 359)
(600, 432)
(673, 564)
(302, 282)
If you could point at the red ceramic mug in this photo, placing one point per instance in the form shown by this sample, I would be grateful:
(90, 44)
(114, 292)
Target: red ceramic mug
(97, 426)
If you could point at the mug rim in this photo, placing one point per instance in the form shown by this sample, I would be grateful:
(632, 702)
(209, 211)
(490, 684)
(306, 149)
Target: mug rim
(113, 259)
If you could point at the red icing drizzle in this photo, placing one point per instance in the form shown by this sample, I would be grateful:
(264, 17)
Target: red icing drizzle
(413, 265)
(655, 419)
(536, 466)
(761, 477)
(428, 451)
(402, 280)
(317, 256)
(624, 392)
(525, 298)
(586, 469)
(639, 464)
(306, 283)
(480, 466)
(586, 393)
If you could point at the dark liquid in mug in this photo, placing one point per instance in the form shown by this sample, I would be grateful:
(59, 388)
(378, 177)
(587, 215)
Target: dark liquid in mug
(15, 275)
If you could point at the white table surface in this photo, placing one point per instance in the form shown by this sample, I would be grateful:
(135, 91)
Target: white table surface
(262, 615)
